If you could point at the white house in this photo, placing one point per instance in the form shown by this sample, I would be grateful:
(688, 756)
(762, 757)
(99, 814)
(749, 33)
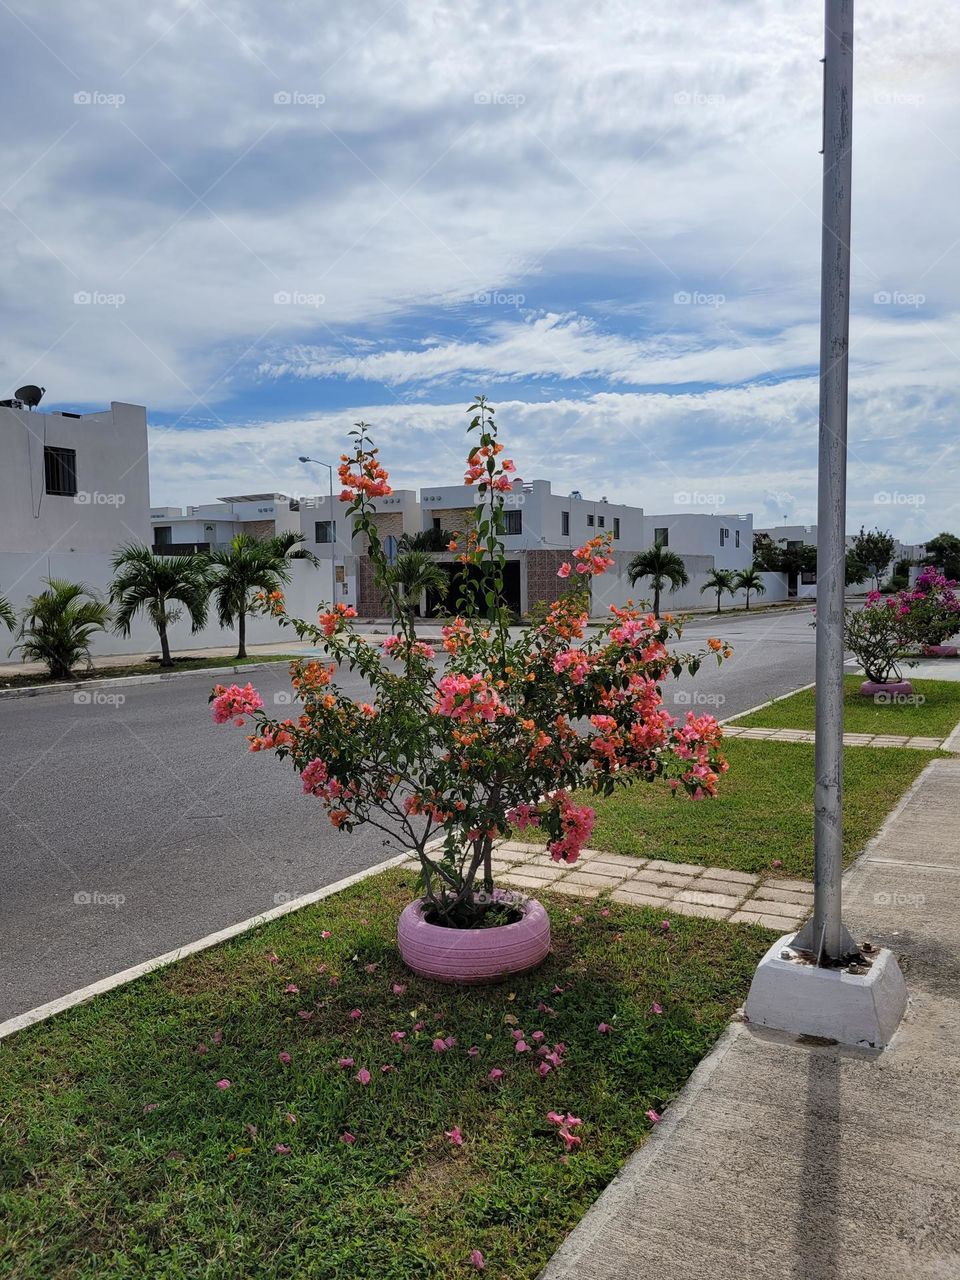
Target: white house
(728, 538)
(261, 515)
(73, 482)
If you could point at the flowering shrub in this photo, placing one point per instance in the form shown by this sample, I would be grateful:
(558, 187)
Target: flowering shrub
(879, 636)
(507, 728)
(930, 607)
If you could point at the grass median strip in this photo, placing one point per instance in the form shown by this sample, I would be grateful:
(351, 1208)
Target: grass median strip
(216, 1118)
(932, 711)
(762, 819)
(145, 669)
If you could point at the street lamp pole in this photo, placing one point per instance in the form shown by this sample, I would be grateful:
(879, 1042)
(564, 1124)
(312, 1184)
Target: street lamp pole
(825, 935)
(333, 528)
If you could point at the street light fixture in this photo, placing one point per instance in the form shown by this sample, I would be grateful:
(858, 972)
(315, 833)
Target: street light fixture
(333, 529)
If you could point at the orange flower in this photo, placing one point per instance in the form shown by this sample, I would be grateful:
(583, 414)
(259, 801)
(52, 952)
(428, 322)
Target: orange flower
(715, 645)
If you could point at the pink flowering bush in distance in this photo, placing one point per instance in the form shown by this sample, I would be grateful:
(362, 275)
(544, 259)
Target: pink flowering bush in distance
(505, 726)
(930, 606)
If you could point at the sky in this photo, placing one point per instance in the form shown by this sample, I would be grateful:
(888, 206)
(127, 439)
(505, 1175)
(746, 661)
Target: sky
(266, 222)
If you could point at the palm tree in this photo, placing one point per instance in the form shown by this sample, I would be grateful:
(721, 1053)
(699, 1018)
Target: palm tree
(249, 565)
(750, 580)
(7, 615)
(661, 567)
(425, 540)
(58, 625)
(150, 582)
(414, 573)
(719, 580)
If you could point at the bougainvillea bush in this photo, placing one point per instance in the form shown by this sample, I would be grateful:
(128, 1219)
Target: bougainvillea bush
(930, 607)
(879, 636)
(500, 726)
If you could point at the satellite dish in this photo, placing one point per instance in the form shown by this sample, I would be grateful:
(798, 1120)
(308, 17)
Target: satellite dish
(30, 395)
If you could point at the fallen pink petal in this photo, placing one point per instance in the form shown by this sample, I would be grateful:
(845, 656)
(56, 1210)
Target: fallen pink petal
(477, 1259)
(455, 1136)
(284, 1057)
(346, 1063)
(282, 1149)
(495, 1075)
(348, 1138)
(355, 1014)
(398, 988)
(653, 1116)
(223, 1084)
(363, 1075)
(656, 1007)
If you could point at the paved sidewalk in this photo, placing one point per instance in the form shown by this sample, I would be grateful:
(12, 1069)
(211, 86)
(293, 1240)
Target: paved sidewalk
(782, 1161)
(682, 887)
(849, 739)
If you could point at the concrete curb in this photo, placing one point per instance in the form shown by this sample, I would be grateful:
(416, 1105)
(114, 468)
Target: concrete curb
(769, 703)
(116, 682)
(44, 1011)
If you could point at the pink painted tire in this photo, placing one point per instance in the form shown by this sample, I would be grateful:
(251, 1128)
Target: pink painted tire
(473, 956)
(870, 688)
(940, 651)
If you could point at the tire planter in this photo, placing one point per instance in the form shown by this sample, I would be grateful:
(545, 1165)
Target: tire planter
(940, 651)
(473, 956)
(902, 688)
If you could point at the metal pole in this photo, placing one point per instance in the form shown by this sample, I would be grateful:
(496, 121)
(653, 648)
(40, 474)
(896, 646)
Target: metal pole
(333, 544)
(826, 936)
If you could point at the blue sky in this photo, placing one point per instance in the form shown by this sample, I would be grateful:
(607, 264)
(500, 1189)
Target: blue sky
(264, 222)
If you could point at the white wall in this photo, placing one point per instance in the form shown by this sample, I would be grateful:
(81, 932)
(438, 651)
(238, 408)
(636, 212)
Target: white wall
(112, 503)
(22, 575)
(698, 534)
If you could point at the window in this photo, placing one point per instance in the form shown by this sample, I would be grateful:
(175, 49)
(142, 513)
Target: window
(736, 537)
(601, 521)
(436, 522)
(724, 535)
(565, 524)
(513, 522)
(662, 536)
(60, 471)
(589, 522)
(325, 531)
(616, 527)
(162, 535)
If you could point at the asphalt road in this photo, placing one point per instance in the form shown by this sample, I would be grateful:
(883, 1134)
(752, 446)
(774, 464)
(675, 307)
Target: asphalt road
(171, 830)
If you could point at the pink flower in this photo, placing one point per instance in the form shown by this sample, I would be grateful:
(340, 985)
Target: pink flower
(604, 1028)
(455, 1136)
(776, 863)
(495, 1075)
(398, 988)
(234, 703)
(387, 1066)
(284, 1057)
(363, 1076)
(537, 1035)
(656, 1007)
(325, 933)
(665, 926)
(355, 1014)
(450, 1041)
(418, 1026)
(201, 1049)
(305, 1014)
(291, 989)
(345, 1063)
(439, 1046)
(281, 1149)
(652, 1116)
(371, 968)
(473, 1051)
(291, 1118)
(570, 1139)
(273, 958)
(564, 570)
(477, 1259)
(223, 1084)
(397, 1036)
(543, 1070)
(348, 1138)
(521, 1047)
(217, 1037)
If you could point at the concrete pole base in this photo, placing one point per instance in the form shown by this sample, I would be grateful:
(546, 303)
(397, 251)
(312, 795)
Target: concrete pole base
(792, 995)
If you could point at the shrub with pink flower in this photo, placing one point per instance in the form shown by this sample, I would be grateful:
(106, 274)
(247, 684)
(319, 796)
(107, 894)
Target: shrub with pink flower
(234, 703)
(505, 725)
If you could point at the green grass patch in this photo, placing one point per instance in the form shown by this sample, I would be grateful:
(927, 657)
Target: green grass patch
(934, 717)
(763, 814)
(121, 1157)
(145, 669)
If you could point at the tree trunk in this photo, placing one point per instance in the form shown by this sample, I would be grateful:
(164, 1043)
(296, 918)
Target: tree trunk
(656, 602)
(718, 602)
(748, 599)
(242, 633)
(165, 659)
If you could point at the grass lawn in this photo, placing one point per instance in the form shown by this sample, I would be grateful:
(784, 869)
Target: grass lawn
(764, 811)
(935, 717)
(121, 1157)
(146, 669)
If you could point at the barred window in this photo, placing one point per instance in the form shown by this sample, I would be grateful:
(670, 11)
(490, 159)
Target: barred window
(325, 531)
(513, 522)
(60, 471)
